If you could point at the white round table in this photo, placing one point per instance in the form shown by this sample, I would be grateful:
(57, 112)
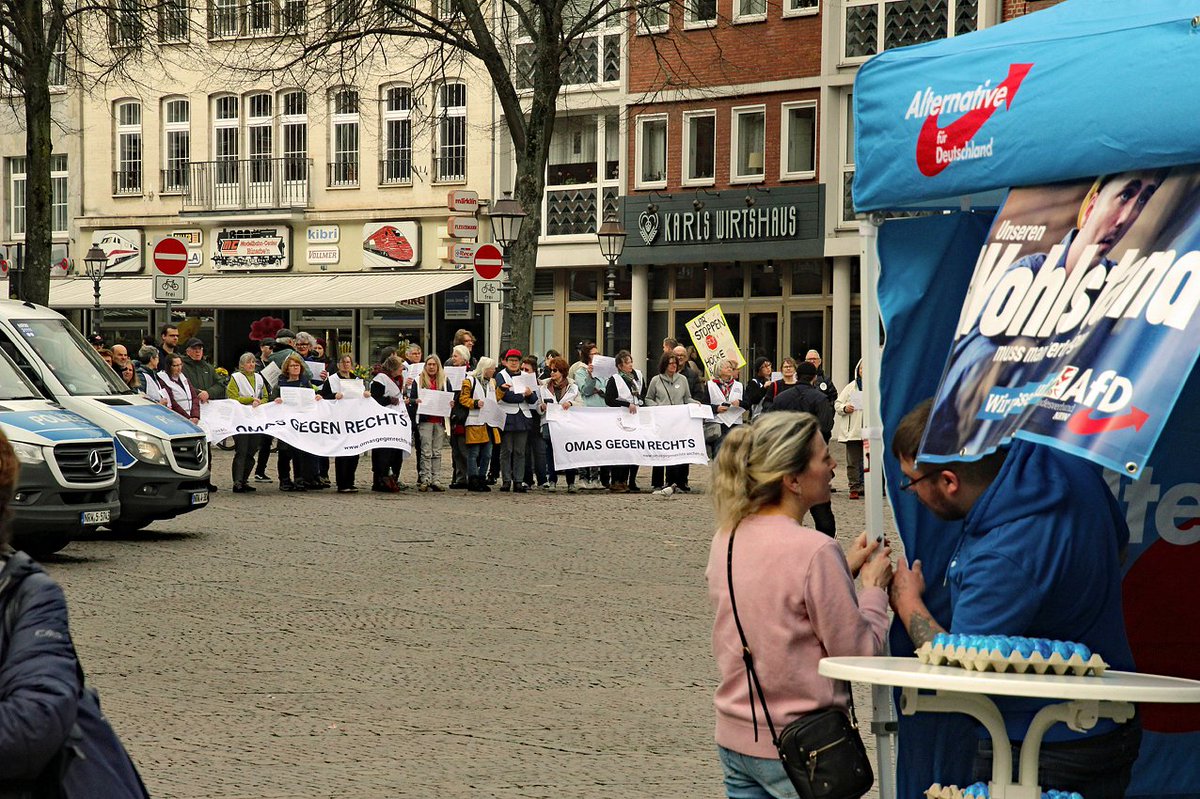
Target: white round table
(1085, 700)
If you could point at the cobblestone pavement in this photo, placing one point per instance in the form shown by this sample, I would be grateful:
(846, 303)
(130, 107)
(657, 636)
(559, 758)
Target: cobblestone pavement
(410, 645)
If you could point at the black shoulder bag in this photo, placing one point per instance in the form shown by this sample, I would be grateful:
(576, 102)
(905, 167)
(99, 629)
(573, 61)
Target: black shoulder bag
(822, 752)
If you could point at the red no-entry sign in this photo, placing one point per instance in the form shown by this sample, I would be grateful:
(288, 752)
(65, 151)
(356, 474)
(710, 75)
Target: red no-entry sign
(488, 261)
(170, 256)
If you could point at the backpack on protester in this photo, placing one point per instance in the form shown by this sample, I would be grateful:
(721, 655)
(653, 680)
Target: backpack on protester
(91, 762)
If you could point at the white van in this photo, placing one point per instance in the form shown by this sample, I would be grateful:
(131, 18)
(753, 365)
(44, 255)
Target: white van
(162, 458)
(68, 479)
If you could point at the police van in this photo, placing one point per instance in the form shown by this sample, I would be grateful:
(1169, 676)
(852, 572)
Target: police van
(68, 479)
(162, 458)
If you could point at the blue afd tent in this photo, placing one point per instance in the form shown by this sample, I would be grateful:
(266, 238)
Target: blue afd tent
(1085, 88)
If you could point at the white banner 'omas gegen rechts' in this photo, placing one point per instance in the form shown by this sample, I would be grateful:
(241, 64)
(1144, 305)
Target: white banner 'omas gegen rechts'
(664, 435)
(328, 429)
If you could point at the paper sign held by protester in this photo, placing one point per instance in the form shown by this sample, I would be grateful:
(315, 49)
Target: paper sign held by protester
(271, 374)
(699, 411)
(491, 413)
(522, 381)
(603, 367)
(434, 403)
(353, 388)
(455, 376)
(298, 397)
(314, 369)
(776, 376)
(413, 370)
(714, 341)
(729, 417)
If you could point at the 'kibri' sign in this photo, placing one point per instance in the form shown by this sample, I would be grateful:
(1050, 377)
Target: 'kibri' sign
(781, 222)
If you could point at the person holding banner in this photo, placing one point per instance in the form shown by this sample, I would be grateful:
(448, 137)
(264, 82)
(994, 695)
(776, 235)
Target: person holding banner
(591, 394)
(248, 387)
(1039, 556)
(669, 387)
(625, 389)
(386, 389)
(476, 390)
(460, 356)
(725, 394)
(432, 428)
(557, 390)
(337, 387)
(297, 468)
(518, 421)
(181, 395)
(795, 594)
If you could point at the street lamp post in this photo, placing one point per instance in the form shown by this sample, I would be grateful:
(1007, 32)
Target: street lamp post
(94, 263)
(506, 216)
(612, 242)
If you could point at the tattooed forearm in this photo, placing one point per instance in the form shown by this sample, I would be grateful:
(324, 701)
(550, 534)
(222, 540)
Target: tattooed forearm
(922, 628)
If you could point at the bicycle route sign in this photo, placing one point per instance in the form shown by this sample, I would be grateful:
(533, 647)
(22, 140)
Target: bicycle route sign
(170, 270)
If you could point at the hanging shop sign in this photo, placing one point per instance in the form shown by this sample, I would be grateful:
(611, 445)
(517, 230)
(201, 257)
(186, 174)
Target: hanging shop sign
(391, 244)
(251, 248)
(738, 224)
(123, 249)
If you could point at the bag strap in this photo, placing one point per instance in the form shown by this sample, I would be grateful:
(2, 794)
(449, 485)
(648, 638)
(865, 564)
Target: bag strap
(753, 683)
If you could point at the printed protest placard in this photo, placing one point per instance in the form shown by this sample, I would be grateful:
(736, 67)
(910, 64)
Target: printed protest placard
(714, 341)
(655, 436)
(434, 403)
(328, 429)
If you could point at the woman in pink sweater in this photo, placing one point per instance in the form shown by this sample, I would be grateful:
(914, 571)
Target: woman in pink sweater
(795, 593)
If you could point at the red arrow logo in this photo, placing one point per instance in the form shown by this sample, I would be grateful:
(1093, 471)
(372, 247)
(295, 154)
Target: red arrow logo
(1082, 423)
(933, 139)
(1189, 524)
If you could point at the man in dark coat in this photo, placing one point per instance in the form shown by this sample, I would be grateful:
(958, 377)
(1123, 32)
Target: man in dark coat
(805, 396)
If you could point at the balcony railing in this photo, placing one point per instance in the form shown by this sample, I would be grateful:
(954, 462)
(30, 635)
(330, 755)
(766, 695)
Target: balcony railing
(127, 182)
(343, 174)
(248, 183)
(395, 171)
(175, 180)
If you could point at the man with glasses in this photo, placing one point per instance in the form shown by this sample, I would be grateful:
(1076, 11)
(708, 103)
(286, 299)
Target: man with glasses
(1039, 556)
(822, 382)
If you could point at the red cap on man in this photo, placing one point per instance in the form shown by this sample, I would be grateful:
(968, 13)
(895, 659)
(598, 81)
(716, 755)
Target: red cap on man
(512, 354)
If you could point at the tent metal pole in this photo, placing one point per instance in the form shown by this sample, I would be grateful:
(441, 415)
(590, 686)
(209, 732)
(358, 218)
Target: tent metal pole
(884, 724)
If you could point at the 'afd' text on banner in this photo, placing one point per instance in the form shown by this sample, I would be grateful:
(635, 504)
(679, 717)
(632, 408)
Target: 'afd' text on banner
(664, 435)
(1079, 327)
(714, 340)
(328, 429)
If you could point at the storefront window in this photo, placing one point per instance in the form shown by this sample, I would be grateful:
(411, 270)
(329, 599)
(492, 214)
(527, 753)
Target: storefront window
(689, 282)
(624, 340)
(808, 333)
(624, 282)
(583, 284)
(581, 327)
(660, 282)
(656, 331)
(543, 285)
(766, 280)
(727, 281)
(808, 277)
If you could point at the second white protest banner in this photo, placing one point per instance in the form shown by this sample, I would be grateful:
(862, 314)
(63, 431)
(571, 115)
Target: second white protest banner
(329, 428)
(663, 435)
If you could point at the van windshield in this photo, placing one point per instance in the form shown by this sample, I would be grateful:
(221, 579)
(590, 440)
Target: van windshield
(73, 361)
(13, 384)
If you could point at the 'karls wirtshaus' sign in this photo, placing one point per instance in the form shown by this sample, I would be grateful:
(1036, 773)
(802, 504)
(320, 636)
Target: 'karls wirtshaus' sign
(733, 225)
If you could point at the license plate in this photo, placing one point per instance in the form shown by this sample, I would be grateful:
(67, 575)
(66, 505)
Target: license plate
(200, 498)
(95, 517)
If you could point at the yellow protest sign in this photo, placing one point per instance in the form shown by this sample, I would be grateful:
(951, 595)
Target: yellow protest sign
(714, 340)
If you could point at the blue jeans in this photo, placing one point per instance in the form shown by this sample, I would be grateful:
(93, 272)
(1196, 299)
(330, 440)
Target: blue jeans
(748, 777)
(478, 458)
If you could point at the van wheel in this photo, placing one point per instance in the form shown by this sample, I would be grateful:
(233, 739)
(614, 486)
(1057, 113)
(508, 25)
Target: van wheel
(43, 544)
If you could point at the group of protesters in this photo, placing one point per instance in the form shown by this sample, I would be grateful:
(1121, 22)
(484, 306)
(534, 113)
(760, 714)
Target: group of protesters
(515, 455)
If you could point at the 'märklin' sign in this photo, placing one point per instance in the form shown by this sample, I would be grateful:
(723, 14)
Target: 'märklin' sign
(738, 224)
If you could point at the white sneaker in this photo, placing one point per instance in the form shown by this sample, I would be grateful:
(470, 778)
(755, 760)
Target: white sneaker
(666, 492)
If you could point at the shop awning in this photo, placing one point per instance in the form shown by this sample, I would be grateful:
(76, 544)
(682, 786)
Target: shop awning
(357, 290)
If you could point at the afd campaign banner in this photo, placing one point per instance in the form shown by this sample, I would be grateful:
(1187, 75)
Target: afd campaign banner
(1079, 327)
(663, 435)
(925, 264)
(327, 428)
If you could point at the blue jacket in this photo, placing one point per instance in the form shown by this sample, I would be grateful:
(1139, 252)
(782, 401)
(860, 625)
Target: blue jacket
(515, 422)
(1040, 557)
(38, 678)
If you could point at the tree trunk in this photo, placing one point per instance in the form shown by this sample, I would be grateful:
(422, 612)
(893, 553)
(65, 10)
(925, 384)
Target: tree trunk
(34, 280)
